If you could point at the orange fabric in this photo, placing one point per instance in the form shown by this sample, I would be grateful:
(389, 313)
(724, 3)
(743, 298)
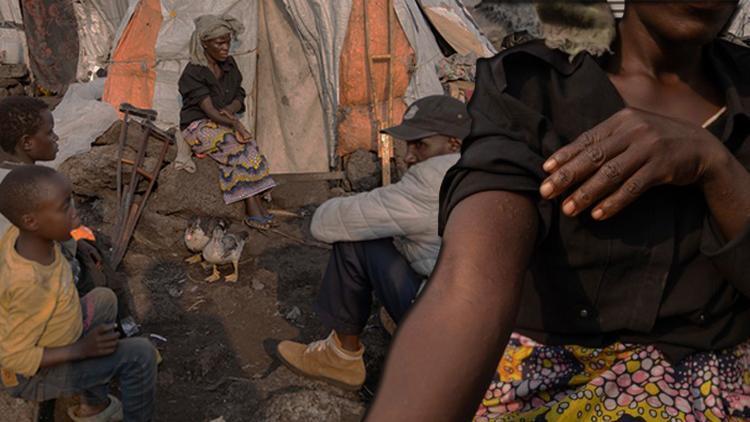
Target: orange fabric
(356, 129)
(131, 76)
(354, 86)
(83, 232)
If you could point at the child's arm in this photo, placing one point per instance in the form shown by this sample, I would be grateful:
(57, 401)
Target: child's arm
(101, 341)
(28, 312)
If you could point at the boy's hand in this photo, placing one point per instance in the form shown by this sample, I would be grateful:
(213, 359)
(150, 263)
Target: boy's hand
(101, 341)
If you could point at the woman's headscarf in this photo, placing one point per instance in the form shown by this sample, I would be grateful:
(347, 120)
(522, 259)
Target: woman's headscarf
(208, 27)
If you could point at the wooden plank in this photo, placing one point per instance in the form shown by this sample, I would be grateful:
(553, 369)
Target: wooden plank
(309, 177)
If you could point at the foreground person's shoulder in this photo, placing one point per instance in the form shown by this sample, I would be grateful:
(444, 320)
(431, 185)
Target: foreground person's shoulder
(529, 60)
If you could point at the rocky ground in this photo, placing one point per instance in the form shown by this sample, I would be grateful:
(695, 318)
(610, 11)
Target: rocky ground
(219, 358)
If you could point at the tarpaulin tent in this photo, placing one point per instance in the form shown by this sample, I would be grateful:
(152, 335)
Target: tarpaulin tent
(62, 41)
(298, 45)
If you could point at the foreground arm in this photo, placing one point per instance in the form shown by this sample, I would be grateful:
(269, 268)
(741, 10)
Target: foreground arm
(444, 355)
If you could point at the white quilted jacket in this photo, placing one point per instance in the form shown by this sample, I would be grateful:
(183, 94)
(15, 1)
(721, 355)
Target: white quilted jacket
(406, 211)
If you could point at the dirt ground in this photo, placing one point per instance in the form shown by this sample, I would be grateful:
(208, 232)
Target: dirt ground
(219, 359)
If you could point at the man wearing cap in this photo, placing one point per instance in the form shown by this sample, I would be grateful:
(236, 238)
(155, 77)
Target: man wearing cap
(385, 242)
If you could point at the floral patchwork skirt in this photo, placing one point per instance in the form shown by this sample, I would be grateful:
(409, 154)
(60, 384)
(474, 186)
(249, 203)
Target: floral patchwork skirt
(622, 382)
(243, 170)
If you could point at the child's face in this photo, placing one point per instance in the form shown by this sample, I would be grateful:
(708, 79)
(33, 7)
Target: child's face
(56, 216)
(42, 145)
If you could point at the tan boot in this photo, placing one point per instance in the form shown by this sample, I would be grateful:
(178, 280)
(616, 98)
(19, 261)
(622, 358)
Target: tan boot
(325, 360)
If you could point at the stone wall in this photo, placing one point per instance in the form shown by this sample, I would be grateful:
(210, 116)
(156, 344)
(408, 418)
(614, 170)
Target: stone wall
(14, 80)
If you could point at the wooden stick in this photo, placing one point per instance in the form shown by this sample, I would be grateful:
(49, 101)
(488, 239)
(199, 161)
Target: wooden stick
(194, 306)
(369, 65)
(284, 213)
(387, 140)
(298, 240)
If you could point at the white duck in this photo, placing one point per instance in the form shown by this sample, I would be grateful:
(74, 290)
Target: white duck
(198, 234)
(224, 248)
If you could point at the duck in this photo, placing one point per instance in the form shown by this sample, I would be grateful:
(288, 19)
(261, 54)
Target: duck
(197, 235)
(223, 248)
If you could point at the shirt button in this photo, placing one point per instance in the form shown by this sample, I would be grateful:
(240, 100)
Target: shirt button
(584, 313)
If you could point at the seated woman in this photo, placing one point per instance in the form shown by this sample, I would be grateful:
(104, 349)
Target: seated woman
(596, 229)
(212, 96)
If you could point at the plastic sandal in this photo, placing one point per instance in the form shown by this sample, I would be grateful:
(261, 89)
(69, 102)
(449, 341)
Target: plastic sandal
(113, 413)
(264, 222)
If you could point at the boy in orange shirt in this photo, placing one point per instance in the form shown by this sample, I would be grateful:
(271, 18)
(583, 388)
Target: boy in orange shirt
(51, 343)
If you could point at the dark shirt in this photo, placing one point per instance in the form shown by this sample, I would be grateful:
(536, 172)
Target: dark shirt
(660, 272)
(198, 82)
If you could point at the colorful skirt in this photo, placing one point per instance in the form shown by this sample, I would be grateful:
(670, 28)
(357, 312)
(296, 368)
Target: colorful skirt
(622, 382)
(243, 170)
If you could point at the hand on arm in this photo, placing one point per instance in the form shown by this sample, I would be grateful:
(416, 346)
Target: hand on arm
(444, 354)
(101, 341)
(225, 117)
(614, 163)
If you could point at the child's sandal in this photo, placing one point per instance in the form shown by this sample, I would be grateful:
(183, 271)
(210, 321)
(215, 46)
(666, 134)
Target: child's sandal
(113, 413)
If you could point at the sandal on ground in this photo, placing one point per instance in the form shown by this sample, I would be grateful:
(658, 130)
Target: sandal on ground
(263, 222)
(113, 413)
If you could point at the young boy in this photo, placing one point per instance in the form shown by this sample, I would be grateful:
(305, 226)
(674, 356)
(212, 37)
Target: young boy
(27, 135)
(51, 343)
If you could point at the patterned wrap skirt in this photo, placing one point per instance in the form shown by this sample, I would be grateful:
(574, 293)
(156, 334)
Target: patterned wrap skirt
(243, 170)
(622, 382)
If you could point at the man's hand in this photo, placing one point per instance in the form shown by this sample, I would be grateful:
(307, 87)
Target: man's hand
(101, 341)
(617, 161)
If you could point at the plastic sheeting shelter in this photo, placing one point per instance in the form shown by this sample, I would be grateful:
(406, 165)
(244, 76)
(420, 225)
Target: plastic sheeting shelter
(38, 33)
(298, 46)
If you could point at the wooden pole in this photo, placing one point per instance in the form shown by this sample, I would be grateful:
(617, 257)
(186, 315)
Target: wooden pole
(258, 10)
(387, 141)
(381, 118)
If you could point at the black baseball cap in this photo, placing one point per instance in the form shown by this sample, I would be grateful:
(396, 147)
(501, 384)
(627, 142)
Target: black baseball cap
(433, 115)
